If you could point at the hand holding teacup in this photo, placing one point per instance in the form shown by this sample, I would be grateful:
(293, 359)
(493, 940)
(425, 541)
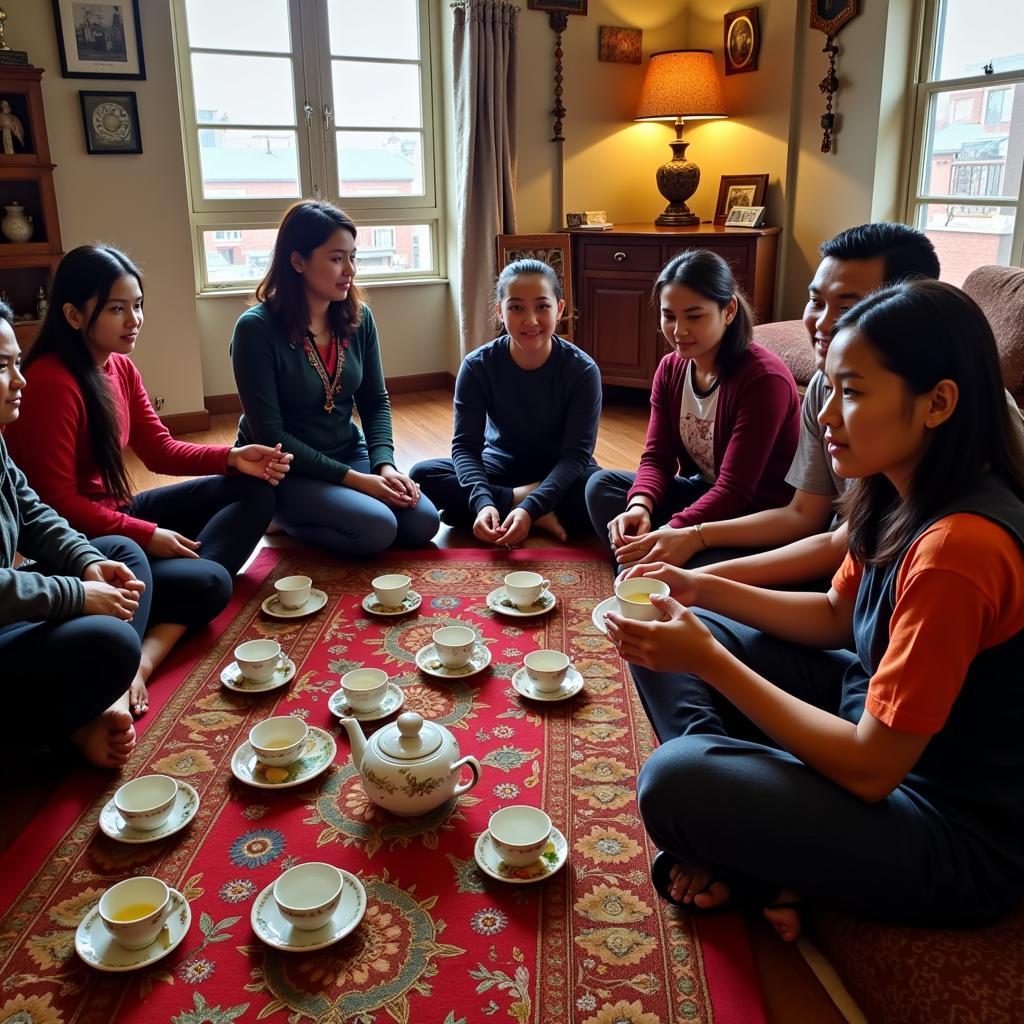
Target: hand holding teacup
(679, 643)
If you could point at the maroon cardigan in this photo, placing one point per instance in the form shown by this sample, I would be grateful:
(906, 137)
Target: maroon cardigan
(757, 423)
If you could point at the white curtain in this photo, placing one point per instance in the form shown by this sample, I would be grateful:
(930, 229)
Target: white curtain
(486, 143)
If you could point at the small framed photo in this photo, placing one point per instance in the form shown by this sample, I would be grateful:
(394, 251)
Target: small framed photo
(739, 190)
(573, 220)
(620, 45)
(745, 217)
(111, 122)
(558, 6)
(742, 41)
(99, 39)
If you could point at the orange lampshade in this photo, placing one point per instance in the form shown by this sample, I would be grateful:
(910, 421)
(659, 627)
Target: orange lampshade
(681, 83)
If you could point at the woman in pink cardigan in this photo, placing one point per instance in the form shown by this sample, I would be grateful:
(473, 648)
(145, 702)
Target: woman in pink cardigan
(725, 417)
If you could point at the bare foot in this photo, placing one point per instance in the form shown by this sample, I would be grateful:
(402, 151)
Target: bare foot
(107, 741)
(784, 914)
(697, 886)
(138, 697)
(550, 524)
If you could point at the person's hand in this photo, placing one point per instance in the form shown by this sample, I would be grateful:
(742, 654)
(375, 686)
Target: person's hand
(403, 485)
(380, 487)
(487, 525)
(516, 527)
(628, 525)
(682, 643)
(104, 599)
(170, 544)
(683, 584)
(676, 546)
(117, 574)
(258, 460)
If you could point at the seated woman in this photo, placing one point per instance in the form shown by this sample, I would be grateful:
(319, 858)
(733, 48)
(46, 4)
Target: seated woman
(79, 605)
(725, 417)
(527, 407)
(886, 781)
(304, 358)
(89, 404)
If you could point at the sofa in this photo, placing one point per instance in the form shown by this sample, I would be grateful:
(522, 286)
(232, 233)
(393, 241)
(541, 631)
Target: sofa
(903, 975)
(999, 291)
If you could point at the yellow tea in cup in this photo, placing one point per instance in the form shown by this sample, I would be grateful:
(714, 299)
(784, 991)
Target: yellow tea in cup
(133, 912)
(277, 743)
(639, 598)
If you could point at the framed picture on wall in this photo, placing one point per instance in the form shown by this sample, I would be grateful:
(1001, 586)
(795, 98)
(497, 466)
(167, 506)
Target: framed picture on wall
(739, 190)
(559, 6)
(742, 41)
(99, 38)
(111, 122)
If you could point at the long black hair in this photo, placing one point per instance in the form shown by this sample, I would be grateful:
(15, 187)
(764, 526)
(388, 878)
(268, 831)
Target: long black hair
(926, 332)
(709, 275)
(86, 273)
(305, 227)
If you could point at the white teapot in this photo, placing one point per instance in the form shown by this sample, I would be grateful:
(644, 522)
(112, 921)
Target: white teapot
(411, 766)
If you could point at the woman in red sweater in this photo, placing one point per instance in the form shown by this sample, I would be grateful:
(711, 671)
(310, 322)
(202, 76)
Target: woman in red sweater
(90, 404)
(725, 417)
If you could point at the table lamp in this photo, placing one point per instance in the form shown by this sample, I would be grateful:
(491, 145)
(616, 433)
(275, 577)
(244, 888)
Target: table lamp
(680, 84)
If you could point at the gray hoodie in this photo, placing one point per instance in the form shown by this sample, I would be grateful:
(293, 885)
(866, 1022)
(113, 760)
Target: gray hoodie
(36, 531)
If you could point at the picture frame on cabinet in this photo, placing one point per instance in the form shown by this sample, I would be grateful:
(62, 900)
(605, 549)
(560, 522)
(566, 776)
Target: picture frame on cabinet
(739, 190)
(99, 39)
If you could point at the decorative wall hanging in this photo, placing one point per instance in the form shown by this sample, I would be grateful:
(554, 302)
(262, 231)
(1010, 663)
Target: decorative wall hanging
(829, 16)
(742, 41)
(558, 18)
(111, 122)
(98, 39)
(620, 45)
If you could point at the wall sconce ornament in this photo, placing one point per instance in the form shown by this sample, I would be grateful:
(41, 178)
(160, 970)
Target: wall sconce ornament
(558, 12)
(829, 16)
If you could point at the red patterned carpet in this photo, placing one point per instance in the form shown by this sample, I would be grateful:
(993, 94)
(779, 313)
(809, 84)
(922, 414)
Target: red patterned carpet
(440, 941)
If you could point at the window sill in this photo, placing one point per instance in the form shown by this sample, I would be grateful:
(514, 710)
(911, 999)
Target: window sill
(367, 286)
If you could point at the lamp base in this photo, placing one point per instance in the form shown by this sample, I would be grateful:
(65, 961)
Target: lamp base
(676, 217)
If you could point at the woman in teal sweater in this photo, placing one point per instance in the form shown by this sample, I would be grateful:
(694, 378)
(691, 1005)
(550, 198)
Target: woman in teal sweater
(304, 358)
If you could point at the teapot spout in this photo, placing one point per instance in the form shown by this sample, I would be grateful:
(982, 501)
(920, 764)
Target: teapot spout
(356, 740)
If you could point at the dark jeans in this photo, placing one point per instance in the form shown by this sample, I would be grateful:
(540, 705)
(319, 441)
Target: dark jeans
(438, 480)
(719, 793)
(69, 671)
(227, 515)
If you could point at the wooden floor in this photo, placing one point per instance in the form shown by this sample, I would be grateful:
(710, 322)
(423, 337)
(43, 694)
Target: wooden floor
(423, 429)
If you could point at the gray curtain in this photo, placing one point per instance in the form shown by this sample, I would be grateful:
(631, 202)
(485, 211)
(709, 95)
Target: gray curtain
(486, 143)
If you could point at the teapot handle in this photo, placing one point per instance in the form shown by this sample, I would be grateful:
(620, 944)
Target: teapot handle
(474, 767)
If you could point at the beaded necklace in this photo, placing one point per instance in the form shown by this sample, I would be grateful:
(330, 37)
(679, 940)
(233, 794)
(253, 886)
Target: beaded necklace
(332, 384)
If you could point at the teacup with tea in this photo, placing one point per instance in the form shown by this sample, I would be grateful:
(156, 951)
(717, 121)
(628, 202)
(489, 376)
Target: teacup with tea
(279, 741)
(135, 910)
(633, 597)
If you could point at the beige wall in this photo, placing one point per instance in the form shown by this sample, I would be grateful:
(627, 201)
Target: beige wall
(608, 161)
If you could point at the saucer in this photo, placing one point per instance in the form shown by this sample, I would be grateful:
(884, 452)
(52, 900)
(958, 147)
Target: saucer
(95, 945)
(186, 803)
(275, 931)
(555, 854)
(410, 603)
(525, 686)
(428, 661)
(499, 601)
(273, 607)
(233, 679)
(394, 698)
(316, 758)
(609, 604)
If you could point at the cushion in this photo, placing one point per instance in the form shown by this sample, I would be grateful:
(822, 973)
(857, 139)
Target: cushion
(999, 291)
(904, 975)
(788, 340)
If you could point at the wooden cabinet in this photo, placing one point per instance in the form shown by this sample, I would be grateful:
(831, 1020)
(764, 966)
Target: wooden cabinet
(26, 178)
(615, 270)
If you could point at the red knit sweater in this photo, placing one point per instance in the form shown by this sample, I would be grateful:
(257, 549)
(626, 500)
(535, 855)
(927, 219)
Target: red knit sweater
(757, 423)
(50, 443)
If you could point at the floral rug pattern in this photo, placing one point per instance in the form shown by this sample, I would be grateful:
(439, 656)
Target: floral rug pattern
(440, 942)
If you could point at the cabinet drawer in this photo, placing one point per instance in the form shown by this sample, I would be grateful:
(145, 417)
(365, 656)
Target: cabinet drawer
(608, 254)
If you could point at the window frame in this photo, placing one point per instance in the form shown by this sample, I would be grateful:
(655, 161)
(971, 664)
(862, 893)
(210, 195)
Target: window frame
(925, 90)
(309, 53)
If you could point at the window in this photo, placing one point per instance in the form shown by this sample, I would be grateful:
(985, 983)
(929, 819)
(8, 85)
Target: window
(965, 189)
(332, 99)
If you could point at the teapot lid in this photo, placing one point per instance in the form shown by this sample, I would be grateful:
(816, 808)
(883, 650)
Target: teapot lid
(413, 738)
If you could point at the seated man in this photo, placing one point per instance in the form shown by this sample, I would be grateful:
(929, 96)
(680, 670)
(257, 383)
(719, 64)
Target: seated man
(857, 261)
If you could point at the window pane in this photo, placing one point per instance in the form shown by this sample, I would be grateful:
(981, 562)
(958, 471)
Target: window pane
(972, 149)
(966, 237)
(380, 163)
(239, 24)
(247, 164)
(233, 256)
(243, 90)
(394, 249)
(376, 95)
(385, 28)
(973, 33)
